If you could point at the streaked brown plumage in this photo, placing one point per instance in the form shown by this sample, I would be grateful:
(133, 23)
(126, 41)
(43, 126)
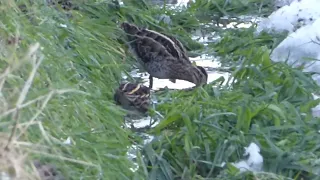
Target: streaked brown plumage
(133, 96)
(163, 56)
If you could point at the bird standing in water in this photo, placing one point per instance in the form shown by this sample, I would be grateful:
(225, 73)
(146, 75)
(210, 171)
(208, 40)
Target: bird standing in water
(163, 56)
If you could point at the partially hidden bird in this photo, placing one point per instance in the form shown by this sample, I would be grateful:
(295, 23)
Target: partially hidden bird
(133, 97)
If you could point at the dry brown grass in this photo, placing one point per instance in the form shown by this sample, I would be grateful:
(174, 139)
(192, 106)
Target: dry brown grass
(14, 162)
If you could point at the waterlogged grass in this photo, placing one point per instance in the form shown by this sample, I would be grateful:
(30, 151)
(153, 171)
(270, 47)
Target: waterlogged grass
(77, 65)
(64, 88)
(205, 128)
(213, 10)
(58, 83)
(263, 102)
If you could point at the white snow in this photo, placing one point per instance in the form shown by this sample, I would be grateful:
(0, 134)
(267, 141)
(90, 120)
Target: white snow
(254, 162)
(316, 110)
(291, 17)
(68, 141)
(63, 25)
(304, 43)
(4, 176)
(302, 48)
(184, 2)
(281, 3)
(242, 166)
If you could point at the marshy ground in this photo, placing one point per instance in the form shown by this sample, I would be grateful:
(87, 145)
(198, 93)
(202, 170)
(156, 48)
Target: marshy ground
(60, 67)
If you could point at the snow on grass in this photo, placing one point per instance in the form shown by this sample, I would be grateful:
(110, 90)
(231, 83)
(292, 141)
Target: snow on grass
(281, 3)
(291, 17)
(254, 162)
(301, 48)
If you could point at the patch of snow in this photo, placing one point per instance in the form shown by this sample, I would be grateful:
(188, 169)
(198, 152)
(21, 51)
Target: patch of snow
(63, 25)
(255, 159)
(281, 3)
(242, 166)
(184, 2)
(316, 110)
(254, 162)
(68, 141)
(316, 77)
(291, 17)
(4, 176)
(301, 48)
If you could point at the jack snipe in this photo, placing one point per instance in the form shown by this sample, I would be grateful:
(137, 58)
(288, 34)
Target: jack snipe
(163, 56)
(132, 96)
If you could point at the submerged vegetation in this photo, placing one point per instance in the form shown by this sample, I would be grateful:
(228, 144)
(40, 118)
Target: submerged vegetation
(60, 67)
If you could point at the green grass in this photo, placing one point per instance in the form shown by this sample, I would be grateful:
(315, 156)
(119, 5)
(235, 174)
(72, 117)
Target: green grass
(205, 128)
(84, 58)
(65, 89)
(263, 102)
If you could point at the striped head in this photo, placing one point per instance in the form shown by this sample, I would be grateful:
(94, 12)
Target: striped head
(133, 96)
(203, 75)
(199, 76)
(188, 72)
